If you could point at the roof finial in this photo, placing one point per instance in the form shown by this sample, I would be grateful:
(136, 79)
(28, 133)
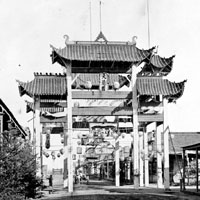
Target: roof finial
(134, 39)
(100, 16)
(155, 51)
(66, 38)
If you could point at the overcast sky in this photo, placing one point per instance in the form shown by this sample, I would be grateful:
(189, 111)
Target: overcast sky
(28, 27)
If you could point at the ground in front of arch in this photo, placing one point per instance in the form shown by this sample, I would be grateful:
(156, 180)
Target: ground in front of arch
(106, 190)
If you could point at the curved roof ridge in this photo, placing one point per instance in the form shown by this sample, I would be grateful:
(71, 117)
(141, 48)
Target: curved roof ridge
(161, 62)
(36, 74)
(145, 85)
(100, 52)
(157, 65)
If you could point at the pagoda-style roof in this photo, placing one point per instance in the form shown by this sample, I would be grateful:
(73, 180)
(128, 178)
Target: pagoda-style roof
(157, 85)
(44, 84)
(55, 85)
(9, 117)
(85, 57)
(157, 66)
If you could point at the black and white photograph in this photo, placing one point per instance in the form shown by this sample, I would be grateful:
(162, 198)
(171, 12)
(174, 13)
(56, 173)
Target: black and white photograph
(99, 99)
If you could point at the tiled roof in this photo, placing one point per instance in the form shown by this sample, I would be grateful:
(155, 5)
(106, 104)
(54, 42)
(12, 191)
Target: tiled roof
(161, 62)
(52, 109)
(101, 52)
(178, 140)
(44, 85)
(56, 85)
(157, 85)
(157, 65)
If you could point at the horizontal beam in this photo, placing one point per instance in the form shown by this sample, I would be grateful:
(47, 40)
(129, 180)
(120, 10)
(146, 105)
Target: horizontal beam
(150, 118)
(102, 111)
(101, 94)
(107, 102)
(105, 111)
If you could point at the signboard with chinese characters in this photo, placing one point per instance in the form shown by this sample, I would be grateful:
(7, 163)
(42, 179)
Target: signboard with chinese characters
(102, 130)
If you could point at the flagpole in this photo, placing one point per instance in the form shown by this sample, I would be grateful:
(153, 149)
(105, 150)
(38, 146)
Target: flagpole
(148, 23)
(90, 21)
(100, 15)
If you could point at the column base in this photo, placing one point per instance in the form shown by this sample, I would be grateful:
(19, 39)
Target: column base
(166, 178)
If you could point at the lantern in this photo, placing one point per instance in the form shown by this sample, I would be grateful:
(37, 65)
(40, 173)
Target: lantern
(74, 156)
(61, 135)
(123, 135)
(140, 133)
(58, 155)
(76, 104)
(90, 135)
(47, 143)
(88, 85)
(47, 155)
(116, 85)
(53, 153)
(132, 134)
(62, 140)
(62, 151)
(79, 150)
(114, 135)
(79, 135)
(144, 108)
(44, 152)
(126, 149)
(121, 155)
(150, 147)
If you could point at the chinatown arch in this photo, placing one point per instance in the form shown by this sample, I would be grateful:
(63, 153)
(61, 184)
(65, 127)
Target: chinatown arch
(103, 70)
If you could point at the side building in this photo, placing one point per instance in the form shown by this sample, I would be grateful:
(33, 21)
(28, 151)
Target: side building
(8, 122)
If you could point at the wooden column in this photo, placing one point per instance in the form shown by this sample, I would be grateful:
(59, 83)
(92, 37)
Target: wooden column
(146, 161)
(68, 133)
(117, 166)
(184, 163)
(129, 170)
(1, 131)
(135, 128)
(141, 163)
(107, 169)
(197, 171)
(69, 127)
(159, 157)
(38, 132)
(65, 156)
(166, 146)
(92, 168)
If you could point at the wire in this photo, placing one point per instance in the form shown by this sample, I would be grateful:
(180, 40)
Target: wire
(176, 157)
(148, 23)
